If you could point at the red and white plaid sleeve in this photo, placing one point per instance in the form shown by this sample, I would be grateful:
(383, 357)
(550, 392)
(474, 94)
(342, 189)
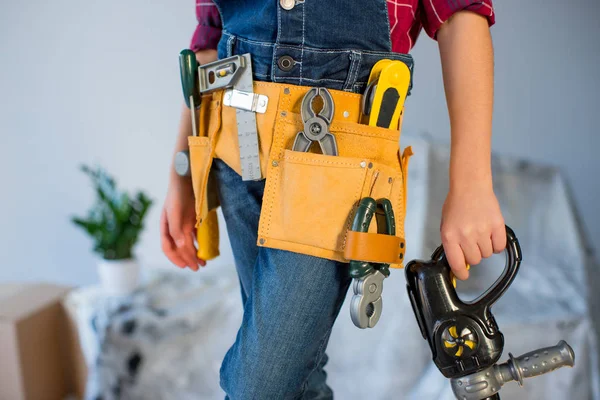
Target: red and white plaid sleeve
(436, 12)
(208, 31)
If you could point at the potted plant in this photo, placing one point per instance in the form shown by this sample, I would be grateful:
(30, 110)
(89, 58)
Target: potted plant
(114, 223)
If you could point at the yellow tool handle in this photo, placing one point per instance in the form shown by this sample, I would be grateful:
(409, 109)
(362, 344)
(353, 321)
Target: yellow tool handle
(207, 236)
(389, 97)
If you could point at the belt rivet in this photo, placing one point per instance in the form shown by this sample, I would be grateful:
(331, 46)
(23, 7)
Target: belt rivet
(286, 91)
(275, 163)
(363, 164)
(262, 241)
(370, 165)
(285, 63)
(389, 180)
(346, 114)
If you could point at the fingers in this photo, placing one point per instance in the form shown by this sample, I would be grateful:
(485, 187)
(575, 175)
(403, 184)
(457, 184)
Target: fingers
(485, 246)
(471, 252)
(167, 244)
(499, 237)
(184, 242)
(177, 242)
(462, 249)
(456, 259)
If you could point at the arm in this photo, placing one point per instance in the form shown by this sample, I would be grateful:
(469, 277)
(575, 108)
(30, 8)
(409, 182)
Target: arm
(178, 215)
(177, 221)
(472, 224)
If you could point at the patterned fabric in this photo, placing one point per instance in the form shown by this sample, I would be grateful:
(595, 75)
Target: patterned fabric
(407, 18)
(208, 31)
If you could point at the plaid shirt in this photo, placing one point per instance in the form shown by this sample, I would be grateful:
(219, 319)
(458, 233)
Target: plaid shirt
(407, 18)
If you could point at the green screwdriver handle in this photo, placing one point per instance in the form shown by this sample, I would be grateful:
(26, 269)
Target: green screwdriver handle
(188, 69)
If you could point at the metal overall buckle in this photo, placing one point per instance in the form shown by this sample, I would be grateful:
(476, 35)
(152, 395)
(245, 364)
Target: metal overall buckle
(366, 305)
(316, 125)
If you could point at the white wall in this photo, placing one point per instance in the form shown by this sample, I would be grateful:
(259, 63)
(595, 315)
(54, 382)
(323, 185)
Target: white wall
(546, 97)
(98, 82)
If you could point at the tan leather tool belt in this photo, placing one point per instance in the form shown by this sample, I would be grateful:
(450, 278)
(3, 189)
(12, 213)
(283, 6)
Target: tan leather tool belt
(309, 198)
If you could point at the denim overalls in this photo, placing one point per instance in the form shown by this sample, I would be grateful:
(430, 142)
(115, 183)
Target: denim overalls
(331, 43)
(290, 300)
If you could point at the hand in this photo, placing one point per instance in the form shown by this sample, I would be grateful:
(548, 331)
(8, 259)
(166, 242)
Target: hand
(472, 228)
(177, 222)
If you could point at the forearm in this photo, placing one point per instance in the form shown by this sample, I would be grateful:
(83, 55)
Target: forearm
(468, 71)
(185, 123)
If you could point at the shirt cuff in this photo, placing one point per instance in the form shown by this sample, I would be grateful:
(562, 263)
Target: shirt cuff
(436, 12)
(205, 37)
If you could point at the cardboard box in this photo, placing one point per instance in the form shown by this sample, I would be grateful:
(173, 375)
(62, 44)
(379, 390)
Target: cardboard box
(39, 349)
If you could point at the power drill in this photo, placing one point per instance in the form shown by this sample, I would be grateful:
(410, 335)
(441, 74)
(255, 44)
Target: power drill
(464, 339)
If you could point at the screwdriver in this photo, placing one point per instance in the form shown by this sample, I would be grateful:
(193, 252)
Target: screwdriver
(207, 234)
(188, 70)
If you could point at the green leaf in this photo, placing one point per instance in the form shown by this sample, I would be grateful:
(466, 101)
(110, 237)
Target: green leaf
(116, 219)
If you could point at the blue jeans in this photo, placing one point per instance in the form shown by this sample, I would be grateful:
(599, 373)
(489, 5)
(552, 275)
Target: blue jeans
(290, 304)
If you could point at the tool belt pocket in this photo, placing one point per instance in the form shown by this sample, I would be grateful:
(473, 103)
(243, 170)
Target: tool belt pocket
(314, 196)
(310, 198)
(201, 150)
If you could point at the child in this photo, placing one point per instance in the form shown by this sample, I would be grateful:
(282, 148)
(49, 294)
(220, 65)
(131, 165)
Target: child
(290, 299)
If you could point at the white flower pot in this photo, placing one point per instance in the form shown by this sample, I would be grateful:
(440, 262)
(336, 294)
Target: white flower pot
(119, 277)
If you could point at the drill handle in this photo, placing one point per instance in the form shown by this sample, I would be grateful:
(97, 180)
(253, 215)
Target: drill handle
(538, 362)
(513, 262)
(486, 383)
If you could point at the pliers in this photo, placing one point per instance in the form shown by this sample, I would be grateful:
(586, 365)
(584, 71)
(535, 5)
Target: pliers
(316, 125)
(366, 304)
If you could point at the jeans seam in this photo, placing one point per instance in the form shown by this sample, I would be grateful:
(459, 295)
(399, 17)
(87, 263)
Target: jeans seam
(276, 46)
(230, 45)
(321, 350)
(389, 30)
(302, 50)
(356, 58)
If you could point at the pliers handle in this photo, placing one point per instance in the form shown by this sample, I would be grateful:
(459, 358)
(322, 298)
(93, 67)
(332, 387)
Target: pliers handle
(367, 305)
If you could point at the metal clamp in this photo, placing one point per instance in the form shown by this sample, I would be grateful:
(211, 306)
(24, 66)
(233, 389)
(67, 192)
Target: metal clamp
(316, 125)
(245, 100)
(366, 304)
